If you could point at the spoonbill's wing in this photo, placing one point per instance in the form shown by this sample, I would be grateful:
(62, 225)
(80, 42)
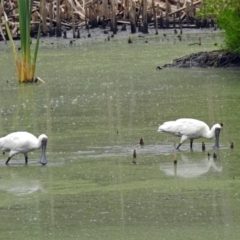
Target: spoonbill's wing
(18, 141)
(192, 128)
(173, 127)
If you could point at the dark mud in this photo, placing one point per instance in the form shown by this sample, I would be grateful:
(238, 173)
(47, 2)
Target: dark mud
(214, 59)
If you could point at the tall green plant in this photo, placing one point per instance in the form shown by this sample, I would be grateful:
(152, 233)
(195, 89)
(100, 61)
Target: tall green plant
(25, 63)
(212, 8)
(230, 21)
(227, 15)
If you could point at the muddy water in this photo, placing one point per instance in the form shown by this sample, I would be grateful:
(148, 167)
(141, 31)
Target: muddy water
(95, 106)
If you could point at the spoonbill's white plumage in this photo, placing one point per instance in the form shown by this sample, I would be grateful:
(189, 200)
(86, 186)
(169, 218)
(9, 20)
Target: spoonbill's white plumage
(188, 128)
(23, 142)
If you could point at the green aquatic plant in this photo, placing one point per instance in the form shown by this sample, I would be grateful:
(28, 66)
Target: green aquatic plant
(26, 62)
(230, 21)
(212, 8)
(227, 15)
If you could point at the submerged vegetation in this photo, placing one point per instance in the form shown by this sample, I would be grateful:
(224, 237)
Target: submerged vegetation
(25, 63)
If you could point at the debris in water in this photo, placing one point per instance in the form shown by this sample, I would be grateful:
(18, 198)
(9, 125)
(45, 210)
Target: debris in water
(134, 157)
(158, 68)
(174, 153)
(129, 40)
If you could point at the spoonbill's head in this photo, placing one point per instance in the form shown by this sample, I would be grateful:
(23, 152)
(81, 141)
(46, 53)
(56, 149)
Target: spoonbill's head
(217, 129)
(43, 138)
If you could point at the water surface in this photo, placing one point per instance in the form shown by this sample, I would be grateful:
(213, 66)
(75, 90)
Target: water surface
(99, 99)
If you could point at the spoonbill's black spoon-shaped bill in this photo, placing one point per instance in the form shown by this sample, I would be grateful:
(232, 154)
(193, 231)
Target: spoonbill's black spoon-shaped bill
(188, 128)
(23, 142)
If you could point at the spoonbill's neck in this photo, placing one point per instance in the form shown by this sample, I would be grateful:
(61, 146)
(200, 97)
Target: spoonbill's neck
(211, 132)
(39, 144)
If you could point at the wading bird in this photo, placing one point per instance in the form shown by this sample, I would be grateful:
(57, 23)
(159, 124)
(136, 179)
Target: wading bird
(23, 142)
(188, 128)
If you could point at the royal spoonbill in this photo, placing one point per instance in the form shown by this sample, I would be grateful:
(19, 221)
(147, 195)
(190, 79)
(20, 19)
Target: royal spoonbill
(188, 128)
(23, 142)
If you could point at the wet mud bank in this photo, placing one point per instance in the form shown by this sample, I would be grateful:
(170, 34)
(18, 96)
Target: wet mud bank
(213, 59)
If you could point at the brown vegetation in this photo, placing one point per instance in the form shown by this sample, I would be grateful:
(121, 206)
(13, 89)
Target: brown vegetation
(59, 16)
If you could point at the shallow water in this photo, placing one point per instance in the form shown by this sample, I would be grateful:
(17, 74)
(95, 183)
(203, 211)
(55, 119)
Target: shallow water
(99, 99)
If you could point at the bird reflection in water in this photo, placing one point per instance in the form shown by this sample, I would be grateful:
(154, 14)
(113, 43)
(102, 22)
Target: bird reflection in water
(191, 168)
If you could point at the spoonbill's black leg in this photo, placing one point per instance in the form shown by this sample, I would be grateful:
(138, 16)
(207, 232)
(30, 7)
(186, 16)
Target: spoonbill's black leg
(179, 145)
(26, 159)
(7, 160)
(191, 143)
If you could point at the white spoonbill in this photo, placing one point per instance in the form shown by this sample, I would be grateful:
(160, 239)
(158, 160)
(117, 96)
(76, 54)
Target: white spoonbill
(188, 128)
(23, 142)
